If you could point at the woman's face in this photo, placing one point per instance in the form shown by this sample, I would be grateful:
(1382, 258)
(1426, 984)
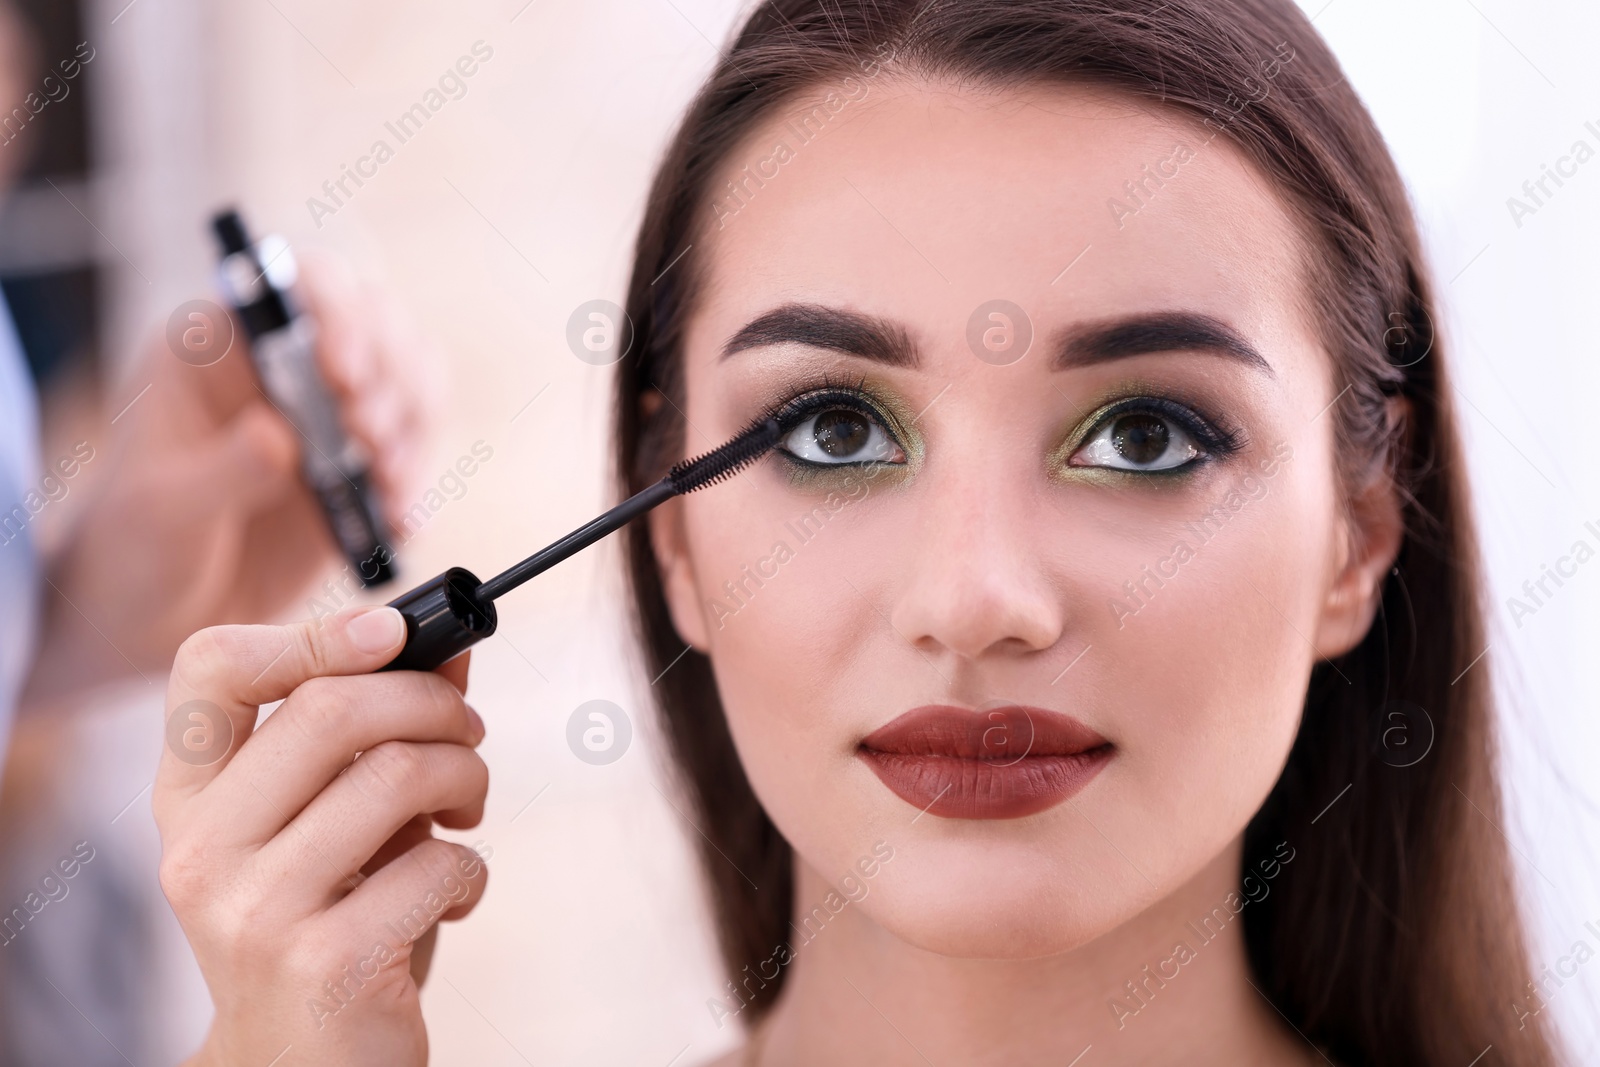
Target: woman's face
(1096, 567)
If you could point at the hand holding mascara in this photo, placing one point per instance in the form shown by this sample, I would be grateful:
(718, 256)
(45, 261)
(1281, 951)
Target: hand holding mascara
(258, 278)
(454, 611)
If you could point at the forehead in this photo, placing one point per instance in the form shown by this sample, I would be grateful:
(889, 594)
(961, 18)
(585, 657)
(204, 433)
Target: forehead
(920, 202)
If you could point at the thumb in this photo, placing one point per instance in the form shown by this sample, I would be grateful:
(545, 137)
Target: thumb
(232, 670)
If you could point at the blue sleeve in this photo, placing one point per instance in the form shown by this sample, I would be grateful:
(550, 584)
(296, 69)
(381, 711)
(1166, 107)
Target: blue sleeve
(19, 471)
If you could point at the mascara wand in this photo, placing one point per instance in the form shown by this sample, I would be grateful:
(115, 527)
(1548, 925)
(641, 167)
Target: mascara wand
(451, 613)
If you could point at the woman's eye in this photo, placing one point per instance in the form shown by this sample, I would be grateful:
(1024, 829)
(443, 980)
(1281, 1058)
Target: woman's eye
(841, 435)
(1138, 441)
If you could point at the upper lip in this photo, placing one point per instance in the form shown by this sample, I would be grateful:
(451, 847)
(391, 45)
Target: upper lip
(1008, 732)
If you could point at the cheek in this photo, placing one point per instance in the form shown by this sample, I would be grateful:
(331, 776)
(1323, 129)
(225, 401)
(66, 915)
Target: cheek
(780, 576)
(800, 655)
(1204, 674)
(776, 604)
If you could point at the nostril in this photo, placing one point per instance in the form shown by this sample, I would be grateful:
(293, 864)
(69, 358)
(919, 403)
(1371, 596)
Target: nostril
(1002, 620)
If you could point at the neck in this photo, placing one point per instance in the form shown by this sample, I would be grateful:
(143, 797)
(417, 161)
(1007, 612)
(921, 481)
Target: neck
(1165, 987)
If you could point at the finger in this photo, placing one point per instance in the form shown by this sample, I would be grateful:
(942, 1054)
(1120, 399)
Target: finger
(387, 382)
(313, 738)
(378, 416)
(403, 840)
(422, 955)
(322, 849)
(345, 350)
(398, 471)
(415, 369)
(223, 674)
(419, 829)
(455, 671)
(406, 898)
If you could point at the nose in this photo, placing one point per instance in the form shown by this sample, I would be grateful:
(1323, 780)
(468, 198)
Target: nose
(976, 584)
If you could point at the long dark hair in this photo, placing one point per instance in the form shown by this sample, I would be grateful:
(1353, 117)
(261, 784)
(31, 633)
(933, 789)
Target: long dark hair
(1397, 939)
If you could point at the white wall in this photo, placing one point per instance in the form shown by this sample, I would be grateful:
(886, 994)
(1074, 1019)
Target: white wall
(1475, 97)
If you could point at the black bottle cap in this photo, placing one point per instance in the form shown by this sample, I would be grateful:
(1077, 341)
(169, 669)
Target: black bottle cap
(229, 228)
(444, 617)
(261, 306)
(376, 569)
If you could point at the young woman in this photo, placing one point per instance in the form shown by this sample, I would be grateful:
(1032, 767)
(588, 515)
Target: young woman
(1092, 676)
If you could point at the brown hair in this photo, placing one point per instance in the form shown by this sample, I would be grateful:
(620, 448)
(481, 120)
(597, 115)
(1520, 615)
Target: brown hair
(1397, 938)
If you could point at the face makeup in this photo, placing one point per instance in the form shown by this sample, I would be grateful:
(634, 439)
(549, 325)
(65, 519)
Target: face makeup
(989, 552)
(1002, 763)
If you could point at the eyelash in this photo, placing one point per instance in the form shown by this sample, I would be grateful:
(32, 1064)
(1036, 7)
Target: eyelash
(830, 394)
(1215, 443)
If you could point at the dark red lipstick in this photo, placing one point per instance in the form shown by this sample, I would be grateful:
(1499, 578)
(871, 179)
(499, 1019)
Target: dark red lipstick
(997, 763)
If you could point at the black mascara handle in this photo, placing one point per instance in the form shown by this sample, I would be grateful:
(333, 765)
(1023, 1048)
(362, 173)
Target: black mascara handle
(444, 616)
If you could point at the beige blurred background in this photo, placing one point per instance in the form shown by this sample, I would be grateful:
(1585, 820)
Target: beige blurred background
(511, 207)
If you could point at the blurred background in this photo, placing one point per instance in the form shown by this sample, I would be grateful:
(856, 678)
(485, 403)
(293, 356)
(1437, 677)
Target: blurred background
(512, 206)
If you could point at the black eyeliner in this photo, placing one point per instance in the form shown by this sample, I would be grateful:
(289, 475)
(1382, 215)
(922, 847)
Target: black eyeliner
(1216, 441)
(825, 397)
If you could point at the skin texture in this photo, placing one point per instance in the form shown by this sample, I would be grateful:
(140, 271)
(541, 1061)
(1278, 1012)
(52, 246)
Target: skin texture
(982, 569)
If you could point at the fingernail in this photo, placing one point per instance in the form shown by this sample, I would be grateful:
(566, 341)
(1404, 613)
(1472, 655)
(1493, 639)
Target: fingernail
(478, 729)
(377, 630)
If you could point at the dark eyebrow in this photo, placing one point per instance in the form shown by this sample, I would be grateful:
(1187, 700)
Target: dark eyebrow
(1161, 332)
(826, 327)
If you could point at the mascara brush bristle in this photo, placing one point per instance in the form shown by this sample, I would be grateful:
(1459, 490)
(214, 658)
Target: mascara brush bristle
(727, 460)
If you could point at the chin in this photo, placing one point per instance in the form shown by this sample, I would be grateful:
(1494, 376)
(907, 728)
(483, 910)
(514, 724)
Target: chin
(1008, 901)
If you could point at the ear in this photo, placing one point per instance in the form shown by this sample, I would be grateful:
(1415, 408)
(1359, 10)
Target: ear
(669, 541)
(679, 584)
(1374, 530)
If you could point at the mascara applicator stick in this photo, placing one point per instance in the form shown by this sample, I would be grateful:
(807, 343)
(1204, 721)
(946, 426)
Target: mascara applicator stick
(578, 539)
(446, 616)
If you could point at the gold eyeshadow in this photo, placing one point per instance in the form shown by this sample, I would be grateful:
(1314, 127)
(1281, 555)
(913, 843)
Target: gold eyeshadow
(798, 396)
(804, 397)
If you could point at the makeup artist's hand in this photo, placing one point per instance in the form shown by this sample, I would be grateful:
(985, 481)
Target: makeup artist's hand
(198, 514)
(303, 873)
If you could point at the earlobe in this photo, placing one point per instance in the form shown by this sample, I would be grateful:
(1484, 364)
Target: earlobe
(669, 541)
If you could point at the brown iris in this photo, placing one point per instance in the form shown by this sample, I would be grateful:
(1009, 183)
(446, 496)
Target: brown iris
(1140, 438)
(842, 433)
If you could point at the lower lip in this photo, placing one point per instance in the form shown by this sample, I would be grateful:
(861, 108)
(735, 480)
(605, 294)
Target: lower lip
(958, 788)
